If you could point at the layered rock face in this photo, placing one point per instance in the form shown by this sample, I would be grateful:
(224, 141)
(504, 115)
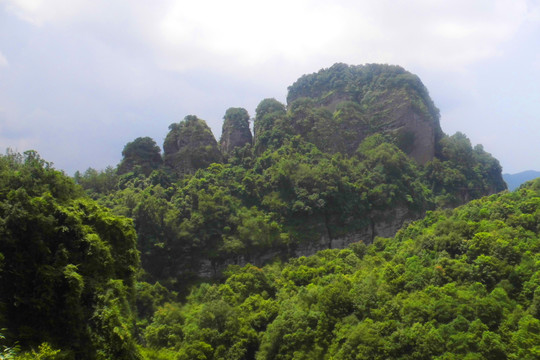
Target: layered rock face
(336, 108)
(190, 145)
(235, 131)
(381, 224)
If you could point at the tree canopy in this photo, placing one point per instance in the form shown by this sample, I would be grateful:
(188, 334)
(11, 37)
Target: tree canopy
(67, 265)
(458, 284)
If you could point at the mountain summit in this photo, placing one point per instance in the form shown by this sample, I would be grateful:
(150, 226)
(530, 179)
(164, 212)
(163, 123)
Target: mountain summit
(338, 107)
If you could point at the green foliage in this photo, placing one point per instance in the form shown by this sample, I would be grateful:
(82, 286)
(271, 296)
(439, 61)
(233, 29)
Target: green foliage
(165, 331)
(270, 126)
(235, 132)
(462, 173)
(459, 284)
(273, 204)
(69, 264)
(98, 183)
(358, 82)
(336, 108)
(142, 154)
(45, 352)
(148, 297)
(7, 352)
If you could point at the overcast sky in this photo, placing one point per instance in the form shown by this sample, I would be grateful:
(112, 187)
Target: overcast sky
(81, 78)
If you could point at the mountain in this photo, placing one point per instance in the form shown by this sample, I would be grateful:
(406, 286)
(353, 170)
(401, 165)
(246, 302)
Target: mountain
(515, 180)
(235, 132)
(355, 153)
(190, 145)
(296, 229)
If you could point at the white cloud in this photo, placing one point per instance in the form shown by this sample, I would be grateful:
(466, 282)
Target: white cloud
(39, 12)
(250, 31)
(434, 34)
(3, 60)
(232, 35)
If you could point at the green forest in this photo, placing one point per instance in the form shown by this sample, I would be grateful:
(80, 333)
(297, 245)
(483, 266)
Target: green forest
(347, 226)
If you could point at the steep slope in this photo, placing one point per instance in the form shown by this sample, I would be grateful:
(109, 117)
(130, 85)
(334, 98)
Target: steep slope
(190, 145)
(363, 100)
(235, 132)
(143, 153)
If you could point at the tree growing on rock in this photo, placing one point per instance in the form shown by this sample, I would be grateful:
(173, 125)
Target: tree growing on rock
(235, 131)
(190, 145)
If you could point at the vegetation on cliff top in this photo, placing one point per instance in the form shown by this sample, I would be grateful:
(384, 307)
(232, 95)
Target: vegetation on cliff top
(294, 185)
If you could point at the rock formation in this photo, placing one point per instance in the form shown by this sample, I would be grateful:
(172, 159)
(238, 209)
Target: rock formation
(235, 132)
(326, 170)
(190, 145)
(336, 108)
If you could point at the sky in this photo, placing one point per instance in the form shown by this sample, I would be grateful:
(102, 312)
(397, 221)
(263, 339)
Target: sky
(81, 78)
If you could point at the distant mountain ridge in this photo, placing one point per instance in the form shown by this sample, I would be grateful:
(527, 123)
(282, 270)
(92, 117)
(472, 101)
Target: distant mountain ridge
(515, 180)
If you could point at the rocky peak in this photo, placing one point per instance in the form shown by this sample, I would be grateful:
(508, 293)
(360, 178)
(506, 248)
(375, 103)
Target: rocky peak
(235, 131)
(270, 125)
(190, 145)
(336, 108)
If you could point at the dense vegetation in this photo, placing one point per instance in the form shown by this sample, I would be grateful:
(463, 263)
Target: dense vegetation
(67, 265)
(336, 108)
(91, 267)
(281, 201)
(459, 284)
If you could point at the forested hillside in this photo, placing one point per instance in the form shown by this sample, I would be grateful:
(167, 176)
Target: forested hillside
(459, 284)
(277, 244)
(68, 267)
(356, 153)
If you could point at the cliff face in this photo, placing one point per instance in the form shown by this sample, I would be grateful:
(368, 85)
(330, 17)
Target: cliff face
(235, 131)
(190, 145)
(338, 107)
(381, 224)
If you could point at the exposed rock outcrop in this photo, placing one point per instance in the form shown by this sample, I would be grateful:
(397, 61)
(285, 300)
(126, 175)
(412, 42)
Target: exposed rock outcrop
(190, 145)
(380, 224)
(359, 101)
(235, 132)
